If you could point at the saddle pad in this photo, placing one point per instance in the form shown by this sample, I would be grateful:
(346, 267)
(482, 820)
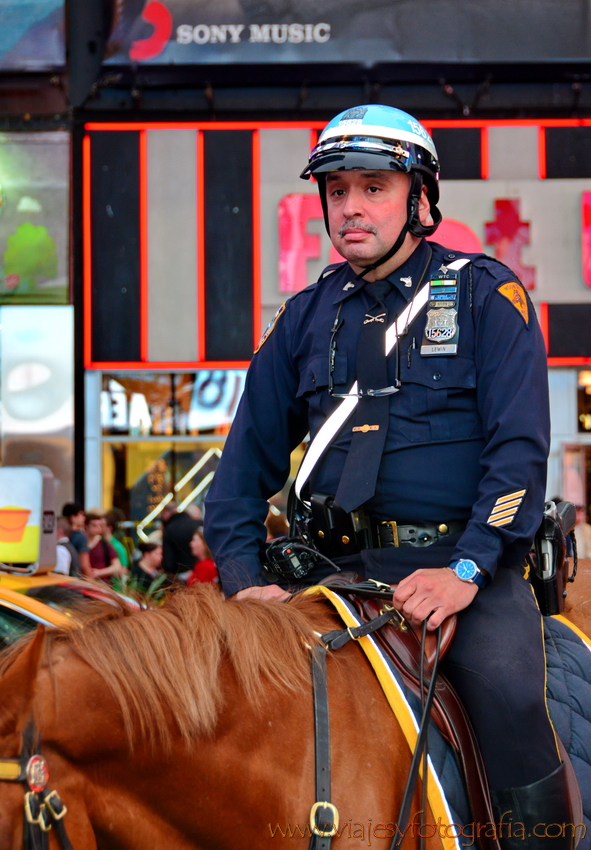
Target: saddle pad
(568, 690)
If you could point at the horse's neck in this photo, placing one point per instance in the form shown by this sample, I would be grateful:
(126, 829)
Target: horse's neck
(257, 768)
(123, 791)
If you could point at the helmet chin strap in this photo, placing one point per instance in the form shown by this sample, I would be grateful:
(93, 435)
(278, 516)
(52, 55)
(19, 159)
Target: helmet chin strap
(395, 247)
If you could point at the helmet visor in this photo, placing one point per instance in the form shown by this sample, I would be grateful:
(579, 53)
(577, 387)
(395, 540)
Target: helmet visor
(350, 153)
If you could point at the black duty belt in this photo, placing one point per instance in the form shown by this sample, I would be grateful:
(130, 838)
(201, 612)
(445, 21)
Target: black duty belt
(391, 533)
(335, 532)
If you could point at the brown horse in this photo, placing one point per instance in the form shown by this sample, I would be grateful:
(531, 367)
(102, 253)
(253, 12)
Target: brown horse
(191, 726)
(578, 598)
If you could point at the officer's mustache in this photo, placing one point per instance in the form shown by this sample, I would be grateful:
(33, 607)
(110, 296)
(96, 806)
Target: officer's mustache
(357, 224)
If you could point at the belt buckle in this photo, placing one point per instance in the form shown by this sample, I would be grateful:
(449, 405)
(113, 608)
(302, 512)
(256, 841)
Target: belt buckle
(394, 528)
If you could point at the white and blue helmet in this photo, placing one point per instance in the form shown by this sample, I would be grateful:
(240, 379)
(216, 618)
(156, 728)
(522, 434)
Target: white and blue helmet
(374, 136)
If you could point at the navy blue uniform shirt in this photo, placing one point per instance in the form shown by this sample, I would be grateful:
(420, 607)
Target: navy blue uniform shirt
(468, 435)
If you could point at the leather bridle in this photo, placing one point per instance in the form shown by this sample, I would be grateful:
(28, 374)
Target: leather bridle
(324, 816)
(43, 809)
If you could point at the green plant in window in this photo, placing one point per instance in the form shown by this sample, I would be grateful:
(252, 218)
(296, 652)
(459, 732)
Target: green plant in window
(128, 586)
(30, 256)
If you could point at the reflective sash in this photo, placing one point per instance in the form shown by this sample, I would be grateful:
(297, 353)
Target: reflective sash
(341, 414)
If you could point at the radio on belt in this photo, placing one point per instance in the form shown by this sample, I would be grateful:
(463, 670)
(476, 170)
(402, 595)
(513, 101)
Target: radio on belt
(442, 331)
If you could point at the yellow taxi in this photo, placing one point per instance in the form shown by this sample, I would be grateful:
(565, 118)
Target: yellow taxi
(51, 599)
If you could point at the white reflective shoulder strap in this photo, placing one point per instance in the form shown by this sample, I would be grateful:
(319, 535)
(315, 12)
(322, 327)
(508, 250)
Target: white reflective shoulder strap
(338, 417)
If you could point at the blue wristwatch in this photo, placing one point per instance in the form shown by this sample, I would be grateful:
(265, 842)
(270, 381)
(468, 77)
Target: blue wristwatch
(468, 570)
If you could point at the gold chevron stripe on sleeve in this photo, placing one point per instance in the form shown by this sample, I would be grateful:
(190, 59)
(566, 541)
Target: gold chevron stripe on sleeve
(502, 499)
(507, 506)
(501, 514)
(504, 521)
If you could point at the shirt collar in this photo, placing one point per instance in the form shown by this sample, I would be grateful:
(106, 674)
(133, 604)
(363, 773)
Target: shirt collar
(411, 270)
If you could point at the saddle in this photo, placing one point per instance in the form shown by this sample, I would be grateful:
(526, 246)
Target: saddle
(401, 643)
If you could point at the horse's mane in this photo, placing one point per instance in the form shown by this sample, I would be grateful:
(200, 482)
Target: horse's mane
(163, 664)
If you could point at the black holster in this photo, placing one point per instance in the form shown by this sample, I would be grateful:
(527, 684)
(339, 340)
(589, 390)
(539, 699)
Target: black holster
(549, 562)
(337, 532)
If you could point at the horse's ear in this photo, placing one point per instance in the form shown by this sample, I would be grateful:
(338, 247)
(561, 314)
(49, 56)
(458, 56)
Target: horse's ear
(17, 686)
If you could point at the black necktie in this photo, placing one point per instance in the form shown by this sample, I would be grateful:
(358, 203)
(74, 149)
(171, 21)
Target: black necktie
(370, 424)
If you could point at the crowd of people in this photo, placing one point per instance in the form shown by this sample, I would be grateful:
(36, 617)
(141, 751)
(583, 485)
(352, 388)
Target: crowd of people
(96, 544)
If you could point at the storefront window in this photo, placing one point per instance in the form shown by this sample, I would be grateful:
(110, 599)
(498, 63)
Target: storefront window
(170, 404)
(138, 475)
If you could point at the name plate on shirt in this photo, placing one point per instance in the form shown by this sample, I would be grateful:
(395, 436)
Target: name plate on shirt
(442, 331)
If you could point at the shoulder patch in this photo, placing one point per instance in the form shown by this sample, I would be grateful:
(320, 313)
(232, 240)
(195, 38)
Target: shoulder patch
(515, 293)
(270, 328)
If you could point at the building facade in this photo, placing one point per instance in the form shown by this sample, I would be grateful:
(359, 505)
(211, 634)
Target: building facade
(169, 223)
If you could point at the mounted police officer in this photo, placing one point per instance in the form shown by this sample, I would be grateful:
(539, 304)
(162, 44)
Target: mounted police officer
(421, 376)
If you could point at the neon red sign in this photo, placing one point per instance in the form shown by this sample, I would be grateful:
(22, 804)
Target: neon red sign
(296, 245)
(157, 14)
(509, 234)
(586, 237)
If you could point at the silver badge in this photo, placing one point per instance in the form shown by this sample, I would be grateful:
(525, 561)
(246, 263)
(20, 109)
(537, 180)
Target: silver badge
(407, 281)
(441, 325)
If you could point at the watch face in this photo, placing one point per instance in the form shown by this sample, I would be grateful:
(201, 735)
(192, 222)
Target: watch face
(466, 570)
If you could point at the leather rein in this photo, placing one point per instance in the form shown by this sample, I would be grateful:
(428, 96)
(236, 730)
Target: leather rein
(324, 816)
(43, 809)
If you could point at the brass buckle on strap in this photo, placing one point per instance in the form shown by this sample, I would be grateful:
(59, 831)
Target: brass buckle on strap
(380, 585)
(42, 820)
(329, 833)
(394, 527)
(53, 799)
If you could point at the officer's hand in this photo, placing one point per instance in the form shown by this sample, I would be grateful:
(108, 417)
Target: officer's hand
(439, 591)
(269, 591)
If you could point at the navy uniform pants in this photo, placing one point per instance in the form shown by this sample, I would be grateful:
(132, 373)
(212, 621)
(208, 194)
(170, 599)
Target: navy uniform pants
(496, 663)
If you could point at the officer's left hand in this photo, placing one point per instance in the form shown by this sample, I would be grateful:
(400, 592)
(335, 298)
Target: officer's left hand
(438, 591)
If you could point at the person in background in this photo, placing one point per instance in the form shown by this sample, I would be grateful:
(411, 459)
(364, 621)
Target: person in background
(112, 520)
(195, 512)
(68, 559)
(74, 514)
(148, 567)
(103, 558)
(583, 533)
(179, 529)
(204, 570)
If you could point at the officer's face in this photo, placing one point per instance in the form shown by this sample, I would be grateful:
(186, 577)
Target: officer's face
(366, 212)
